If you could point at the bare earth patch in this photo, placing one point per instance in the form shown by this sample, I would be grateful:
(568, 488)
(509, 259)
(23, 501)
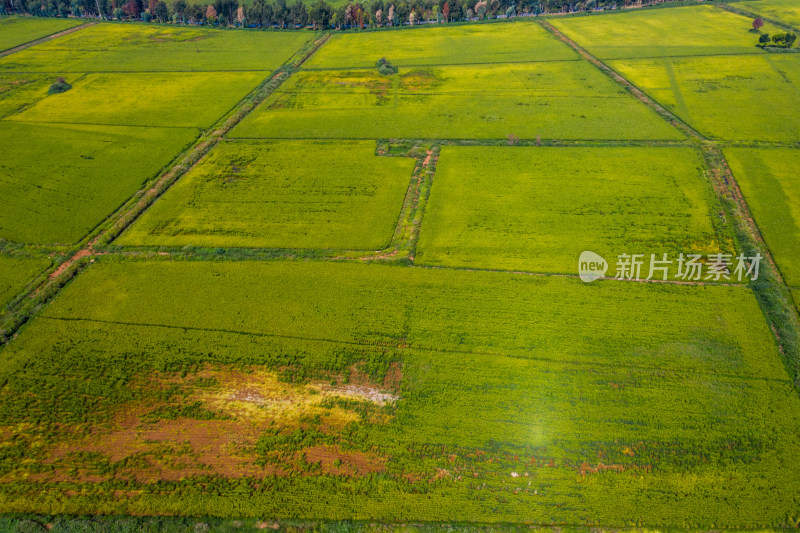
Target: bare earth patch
(152, 440)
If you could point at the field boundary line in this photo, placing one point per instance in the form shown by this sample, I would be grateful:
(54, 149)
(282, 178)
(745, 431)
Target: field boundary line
(533, 62)
(402, 344)
(261, 70)
(699, 283)
(101, 124)
(770, 289)
(392, 252)
(722, 176)
(406, 233)
(503, 141)
(754, 53)
(46, 38)
(427, 65)
(751, 14)
(639, 94)
(559, 143)
(675, 86)
(113, 225)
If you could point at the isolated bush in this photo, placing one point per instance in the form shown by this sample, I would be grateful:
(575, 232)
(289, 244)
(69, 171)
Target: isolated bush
(764, 38)
(385, 68)
(785, 40)
(59, 86)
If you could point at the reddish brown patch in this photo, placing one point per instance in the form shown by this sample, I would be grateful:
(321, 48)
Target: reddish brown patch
(587, 468)
(418, 80)
(413, 477)
(351, 463)
(138, 448)
(628, 451)
(393, 377)
(440, 474)
(69, 262)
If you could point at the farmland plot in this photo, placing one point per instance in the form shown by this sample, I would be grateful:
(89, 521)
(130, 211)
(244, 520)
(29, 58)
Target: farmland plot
(194, 100)
(16, 31)
(413, 393)
(16, 273)
(57, 182)
(537, 209)
(18, 91)
(683, 31)
(289, 194)
(732, 98)
(767, 178)
(786, 11)
(136, 47)
(570, 99)
(485, 43)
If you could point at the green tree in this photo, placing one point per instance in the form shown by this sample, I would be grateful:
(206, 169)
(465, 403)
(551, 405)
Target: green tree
(320, 14)
(226, 10)
(179, 8)
(161, 12)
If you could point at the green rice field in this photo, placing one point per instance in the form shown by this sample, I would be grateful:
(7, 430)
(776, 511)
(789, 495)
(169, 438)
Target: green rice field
(187, 100)
(251, 280)
(732, 98)
(766, 178)
(15, 31)
(19, 91)
(286, 194)
(135, 48)
(57, 189)
(569, 100)
(786, 11)
(537, 209)
(685, 31)
(16, 273)
(480, 44)
(487, 427)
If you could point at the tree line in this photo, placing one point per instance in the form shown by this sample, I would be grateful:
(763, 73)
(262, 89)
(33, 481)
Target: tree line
(316, 14)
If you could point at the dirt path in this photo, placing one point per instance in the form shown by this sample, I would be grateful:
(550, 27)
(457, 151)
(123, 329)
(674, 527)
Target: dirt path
(45, 39)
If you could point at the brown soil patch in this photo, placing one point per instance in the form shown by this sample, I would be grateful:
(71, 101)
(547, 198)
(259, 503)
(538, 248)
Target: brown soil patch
(137, 447)
(72, 260)
(393, 377)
